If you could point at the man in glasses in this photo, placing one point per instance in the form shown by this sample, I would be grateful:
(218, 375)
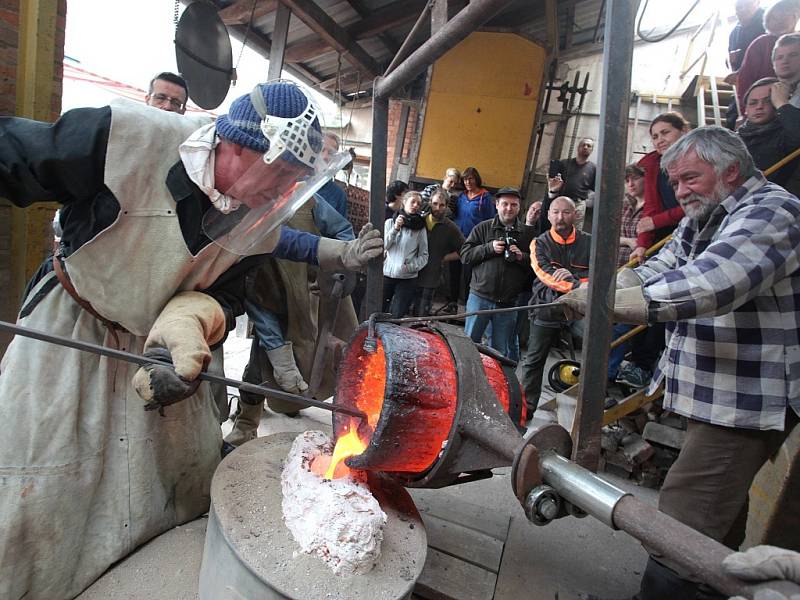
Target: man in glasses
(169, 92)
(163, 217)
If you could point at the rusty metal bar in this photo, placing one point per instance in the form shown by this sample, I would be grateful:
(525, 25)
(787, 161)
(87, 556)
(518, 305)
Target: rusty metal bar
(411, 38)
(471, 17)
(137, 359)
(617, 59)
(373, 298)
(691, 550)
(698, 555)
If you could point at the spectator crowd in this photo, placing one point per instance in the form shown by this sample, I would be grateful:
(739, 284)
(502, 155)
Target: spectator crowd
(488, 251)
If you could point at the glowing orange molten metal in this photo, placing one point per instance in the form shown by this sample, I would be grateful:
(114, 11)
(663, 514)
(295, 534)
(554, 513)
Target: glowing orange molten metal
(346, 446)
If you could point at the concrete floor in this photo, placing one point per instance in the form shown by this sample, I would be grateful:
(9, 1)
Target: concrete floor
(568, 559)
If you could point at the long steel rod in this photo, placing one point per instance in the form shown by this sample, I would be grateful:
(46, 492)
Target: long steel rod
(473, 313)
(410, 38)
(143, 361)
(468, 19)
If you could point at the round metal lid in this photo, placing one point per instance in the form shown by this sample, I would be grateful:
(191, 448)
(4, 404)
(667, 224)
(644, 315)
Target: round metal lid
(203, 53)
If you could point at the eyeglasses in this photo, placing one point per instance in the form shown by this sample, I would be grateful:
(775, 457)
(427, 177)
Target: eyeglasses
(173, 102)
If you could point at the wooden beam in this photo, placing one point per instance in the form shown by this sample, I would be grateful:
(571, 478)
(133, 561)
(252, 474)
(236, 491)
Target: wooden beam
(259, 42)
(377, 23)
(335, 35)
(363, 12)
(278, 40)
(239, 12)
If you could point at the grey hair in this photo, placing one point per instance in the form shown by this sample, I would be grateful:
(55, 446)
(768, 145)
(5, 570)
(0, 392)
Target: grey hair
(714, 145)
(786, 39)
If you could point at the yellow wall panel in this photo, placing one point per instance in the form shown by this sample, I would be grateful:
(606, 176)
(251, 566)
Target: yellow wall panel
(481, 108)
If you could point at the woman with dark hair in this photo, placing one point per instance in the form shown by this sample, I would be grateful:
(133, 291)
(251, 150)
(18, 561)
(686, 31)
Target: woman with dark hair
(406, 252)
(661, 211)
(474, 204)
(394, 197)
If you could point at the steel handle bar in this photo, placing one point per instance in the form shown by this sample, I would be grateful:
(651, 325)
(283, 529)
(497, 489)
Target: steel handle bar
(143, 361)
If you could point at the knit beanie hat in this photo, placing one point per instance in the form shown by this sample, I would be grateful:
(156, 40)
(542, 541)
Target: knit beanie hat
(242, 124)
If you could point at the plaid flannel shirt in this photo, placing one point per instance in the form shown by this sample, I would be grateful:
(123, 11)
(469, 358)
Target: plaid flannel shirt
(730, 295)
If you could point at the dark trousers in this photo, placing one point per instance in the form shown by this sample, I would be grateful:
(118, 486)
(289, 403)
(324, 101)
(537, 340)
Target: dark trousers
(397, 295)
(707, 489)
(647, 346)
(539, 343)
(423, 298)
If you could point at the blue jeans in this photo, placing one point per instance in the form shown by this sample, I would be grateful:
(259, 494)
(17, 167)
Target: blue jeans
(617, 354)
(504, 325)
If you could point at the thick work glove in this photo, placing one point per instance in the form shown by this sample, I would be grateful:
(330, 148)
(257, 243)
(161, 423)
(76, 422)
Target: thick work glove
(764, 563)
(181, 335)
(335, 255)
(285, 370)
(629, 305)
(627, 278)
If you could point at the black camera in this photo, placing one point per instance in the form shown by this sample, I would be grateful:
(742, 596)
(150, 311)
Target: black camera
(509, 241)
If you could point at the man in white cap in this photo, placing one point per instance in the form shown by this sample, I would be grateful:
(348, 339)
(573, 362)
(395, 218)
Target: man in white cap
(162, 216)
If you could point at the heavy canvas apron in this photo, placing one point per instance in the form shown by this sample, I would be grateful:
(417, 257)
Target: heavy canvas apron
(86, 475)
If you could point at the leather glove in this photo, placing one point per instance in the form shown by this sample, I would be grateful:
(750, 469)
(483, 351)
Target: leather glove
(335, 255)
(181, 335)
(764, 563)
(629, 305)
(627, 278)
(285, 370)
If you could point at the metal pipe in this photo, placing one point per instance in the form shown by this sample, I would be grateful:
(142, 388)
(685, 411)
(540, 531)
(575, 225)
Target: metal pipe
(582, 488)
(137, 359)
(699, 556)
(373, 298)
(410, 38)
(468, 19)
(617, 60)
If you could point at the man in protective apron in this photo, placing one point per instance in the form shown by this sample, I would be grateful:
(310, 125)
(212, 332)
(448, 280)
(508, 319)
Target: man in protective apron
(162, 217)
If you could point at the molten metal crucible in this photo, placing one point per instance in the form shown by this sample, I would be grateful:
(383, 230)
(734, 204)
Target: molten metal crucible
(436, 407)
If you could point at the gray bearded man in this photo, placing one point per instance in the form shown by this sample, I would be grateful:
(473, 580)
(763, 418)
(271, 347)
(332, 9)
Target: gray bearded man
(727, 286)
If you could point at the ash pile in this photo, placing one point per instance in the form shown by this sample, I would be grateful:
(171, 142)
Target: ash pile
(643, 445)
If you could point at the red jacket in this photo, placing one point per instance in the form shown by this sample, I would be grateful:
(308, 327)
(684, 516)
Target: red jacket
(653, 205)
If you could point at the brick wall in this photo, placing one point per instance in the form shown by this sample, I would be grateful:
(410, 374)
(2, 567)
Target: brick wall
(395, 110)
(37, 237)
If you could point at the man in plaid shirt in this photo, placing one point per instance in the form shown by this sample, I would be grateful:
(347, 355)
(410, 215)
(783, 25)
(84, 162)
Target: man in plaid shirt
(728, 287)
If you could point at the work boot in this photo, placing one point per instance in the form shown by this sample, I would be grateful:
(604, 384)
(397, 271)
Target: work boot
(245, 428)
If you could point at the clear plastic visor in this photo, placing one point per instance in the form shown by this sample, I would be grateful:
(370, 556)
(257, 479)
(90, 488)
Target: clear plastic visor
(269, 195)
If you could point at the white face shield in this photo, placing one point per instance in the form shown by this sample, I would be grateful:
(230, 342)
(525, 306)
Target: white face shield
(272, 186)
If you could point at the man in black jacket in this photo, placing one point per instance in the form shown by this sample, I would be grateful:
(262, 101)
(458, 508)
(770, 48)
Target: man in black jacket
(497, 251)
(560, 261)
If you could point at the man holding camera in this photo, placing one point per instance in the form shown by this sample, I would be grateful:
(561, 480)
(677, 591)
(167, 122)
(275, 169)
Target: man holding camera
(498, 250)
(560, 261)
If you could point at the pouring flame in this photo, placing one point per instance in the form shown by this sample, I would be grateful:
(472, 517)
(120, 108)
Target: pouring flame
(346, 446)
